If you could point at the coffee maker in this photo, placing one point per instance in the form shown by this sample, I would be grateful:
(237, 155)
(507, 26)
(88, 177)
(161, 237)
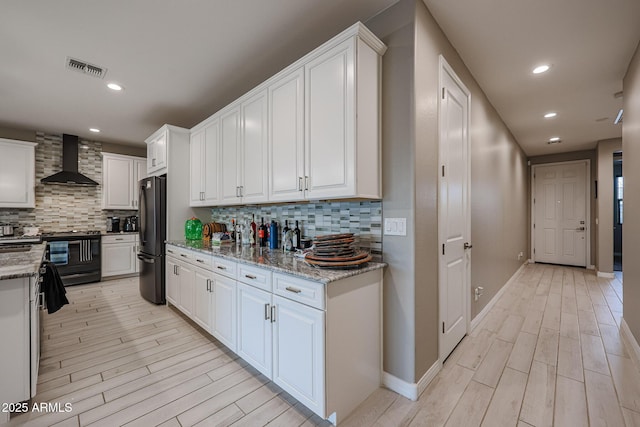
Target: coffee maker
(131, 223)
(115, 224)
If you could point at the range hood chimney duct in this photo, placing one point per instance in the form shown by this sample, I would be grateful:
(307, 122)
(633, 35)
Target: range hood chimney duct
(69, 173)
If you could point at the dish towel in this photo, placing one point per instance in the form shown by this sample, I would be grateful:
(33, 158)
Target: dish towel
(59, 252)
(53, 288)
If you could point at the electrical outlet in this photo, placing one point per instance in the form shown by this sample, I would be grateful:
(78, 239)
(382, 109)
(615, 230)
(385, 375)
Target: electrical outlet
(395, 226)
(520, 256)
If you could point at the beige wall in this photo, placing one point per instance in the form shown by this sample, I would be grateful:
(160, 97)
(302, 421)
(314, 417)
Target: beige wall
(631, 229)
(18, 134)
(604, 204)
(590, 155)
(410, 177)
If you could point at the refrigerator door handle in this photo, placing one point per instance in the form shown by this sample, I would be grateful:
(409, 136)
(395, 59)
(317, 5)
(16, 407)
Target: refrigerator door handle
(143, 213)
(145, 259)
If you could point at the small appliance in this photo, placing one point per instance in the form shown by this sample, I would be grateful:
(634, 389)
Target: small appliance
(115, 224)
(131, 223)
(7, 230)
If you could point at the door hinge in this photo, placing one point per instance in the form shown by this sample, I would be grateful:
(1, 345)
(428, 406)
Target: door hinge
(443, 93)
(534, 226)
(443, 327)
(443, 249)
(442, 170)
(534, 251)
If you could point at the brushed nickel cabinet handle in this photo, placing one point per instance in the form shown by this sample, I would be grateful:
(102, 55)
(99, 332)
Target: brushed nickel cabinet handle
(250, 276)
(292, 289)
(273, 314)
(200, 261)
(221, 267)
(266, 312)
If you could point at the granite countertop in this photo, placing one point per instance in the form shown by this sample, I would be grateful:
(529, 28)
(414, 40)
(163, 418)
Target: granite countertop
(21, 264)
(276, 260)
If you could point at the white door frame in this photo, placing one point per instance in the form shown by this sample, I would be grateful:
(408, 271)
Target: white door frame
(446, 68)
(587, 199)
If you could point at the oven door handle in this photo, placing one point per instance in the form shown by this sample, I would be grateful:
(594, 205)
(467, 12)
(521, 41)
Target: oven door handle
(147, 260)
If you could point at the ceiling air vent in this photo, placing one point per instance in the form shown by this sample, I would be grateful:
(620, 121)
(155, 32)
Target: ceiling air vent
(86, 68)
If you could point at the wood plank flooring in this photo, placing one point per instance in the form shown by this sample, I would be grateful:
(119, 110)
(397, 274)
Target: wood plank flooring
(549, 353)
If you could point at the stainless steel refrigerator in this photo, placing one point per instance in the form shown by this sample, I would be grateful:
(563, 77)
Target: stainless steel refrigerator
(153, 231)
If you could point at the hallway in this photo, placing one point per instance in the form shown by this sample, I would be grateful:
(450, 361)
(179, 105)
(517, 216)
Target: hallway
(548, 353)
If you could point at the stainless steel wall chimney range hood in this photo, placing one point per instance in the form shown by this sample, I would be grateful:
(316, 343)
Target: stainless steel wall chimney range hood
(69, 173)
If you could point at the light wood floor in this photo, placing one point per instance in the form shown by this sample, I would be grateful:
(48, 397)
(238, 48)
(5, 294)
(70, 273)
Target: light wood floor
(548, 353)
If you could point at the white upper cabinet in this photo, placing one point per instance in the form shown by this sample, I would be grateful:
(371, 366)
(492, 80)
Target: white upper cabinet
(286, 137)
(230, 156)
(120, 176)
(310, 132)
(17, 174)
(253, 156)
(159, 146)
(204, 161)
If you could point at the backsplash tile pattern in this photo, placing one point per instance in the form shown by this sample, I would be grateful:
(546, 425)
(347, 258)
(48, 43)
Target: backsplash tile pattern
(61, 207)
(364, 219)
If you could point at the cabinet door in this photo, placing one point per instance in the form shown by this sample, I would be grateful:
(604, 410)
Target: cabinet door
(254, 147)
(202, 287)
(230, 156)
(186, 276)
(330, 120)
(117, 187)
(139, 172)
(196, 148)
(118, 258)
(286, 138)
(17, 175)
(254, 327)
(224, 310)
(157, 153)
(211, 163)
(172, 282)
(298, 352)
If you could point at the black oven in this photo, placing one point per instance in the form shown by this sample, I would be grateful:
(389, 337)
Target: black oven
(76, 256)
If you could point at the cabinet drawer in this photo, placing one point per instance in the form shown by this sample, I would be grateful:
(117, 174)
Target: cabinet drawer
(296, 289)
(119, 238)
(225, 267)
(192, 257)
(255, 276)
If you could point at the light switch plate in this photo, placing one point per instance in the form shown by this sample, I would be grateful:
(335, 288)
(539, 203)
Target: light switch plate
(395, 226)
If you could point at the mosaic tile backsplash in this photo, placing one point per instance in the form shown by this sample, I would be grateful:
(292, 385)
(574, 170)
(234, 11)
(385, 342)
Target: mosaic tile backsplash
(364, 219)
(64, 207)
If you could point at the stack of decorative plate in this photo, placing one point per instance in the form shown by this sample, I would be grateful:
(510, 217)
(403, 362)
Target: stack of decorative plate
(337, 251)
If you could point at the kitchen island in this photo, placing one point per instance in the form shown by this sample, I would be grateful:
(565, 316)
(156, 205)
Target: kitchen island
(314, 332)
(19, 325)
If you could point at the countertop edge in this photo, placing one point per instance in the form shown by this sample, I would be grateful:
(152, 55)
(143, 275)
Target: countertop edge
(331, 275)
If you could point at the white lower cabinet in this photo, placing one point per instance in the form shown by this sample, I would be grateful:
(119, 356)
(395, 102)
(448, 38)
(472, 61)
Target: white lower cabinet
(119, 255)
(224, 310)
(202, 310)
(298, 352)
(254, 328)
(299, 333)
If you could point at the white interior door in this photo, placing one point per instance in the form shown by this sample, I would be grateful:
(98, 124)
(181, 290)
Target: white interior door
(454, 220)
(560, 223)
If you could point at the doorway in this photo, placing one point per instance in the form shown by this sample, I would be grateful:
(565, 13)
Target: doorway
(454, 220)
(618, 211)
(560, 213)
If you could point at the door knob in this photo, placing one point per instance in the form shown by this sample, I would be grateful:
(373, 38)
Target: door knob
(467, 245)
(580, 229)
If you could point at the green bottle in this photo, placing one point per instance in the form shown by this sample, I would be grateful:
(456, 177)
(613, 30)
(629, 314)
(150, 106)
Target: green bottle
(193, 229)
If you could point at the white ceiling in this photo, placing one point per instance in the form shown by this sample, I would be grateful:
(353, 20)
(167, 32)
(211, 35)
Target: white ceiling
(182, 61)
(588, 42)
(179, 61)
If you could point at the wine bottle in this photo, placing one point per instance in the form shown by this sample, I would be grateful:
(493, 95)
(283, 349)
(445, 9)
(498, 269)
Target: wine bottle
(253, 230)
(233, 229)
(297, 244)
(262, 234)
(284, 234)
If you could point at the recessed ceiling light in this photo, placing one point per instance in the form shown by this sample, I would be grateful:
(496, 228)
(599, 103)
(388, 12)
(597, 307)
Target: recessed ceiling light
(541, 69)
(550, 115)
(114, 86)
(94, 130)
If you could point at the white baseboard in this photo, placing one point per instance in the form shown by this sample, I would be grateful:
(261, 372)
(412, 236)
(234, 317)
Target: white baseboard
(411, 390)
(487, 308)
(630, 341)
(606, 275)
